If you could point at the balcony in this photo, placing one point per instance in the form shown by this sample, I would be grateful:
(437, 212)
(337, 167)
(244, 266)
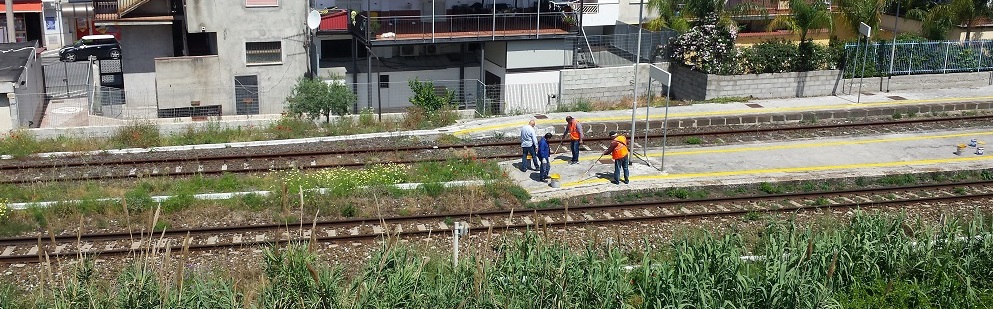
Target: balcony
(763, 9)
(399, 28)
(116, 10)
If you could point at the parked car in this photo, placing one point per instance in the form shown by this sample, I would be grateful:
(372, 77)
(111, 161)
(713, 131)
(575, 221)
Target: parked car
(102, 46)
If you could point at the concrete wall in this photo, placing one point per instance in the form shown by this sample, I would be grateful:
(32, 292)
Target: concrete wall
(921, 82)
(235, 25)
(628, 11)
(603, 84)
(5, 119)
(496, 52)
(607, 14)
(140, 45)
(178, 88)
(536, 54)
(30, 95)
(691, 85)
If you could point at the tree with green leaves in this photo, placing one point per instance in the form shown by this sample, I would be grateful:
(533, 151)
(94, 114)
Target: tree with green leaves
(803, 17)
(854, 12)
(941, 18)
(317, 98)
(427, 97)
(670, 15)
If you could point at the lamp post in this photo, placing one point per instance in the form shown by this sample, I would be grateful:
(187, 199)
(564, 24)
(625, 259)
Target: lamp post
(637, 62)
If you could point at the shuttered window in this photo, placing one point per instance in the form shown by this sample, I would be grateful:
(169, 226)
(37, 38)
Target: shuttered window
(251, 3)
(263, 52)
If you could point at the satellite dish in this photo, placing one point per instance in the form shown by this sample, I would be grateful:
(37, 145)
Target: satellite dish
(313, 19)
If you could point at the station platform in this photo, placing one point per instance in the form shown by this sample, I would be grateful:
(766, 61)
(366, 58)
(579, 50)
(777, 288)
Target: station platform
(686, 166)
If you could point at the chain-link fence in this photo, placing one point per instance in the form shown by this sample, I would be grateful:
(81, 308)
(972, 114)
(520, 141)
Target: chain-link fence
(907, 58)
(618, 49)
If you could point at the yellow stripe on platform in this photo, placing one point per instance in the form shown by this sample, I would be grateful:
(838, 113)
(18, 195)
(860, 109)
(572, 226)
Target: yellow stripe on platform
(796, 146)
(786, 170)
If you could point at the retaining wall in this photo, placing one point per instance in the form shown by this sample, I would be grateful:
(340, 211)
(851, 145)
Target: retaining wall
(602, 84)
(692, 85)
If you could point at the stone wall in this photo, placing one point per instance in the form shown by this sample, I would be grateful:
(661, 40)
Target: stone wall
(692, 85)
(602, 84)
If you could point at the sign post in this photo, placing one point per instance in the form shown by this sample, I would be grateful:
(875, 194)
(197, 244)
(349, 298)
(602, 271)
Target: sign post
(866, 31)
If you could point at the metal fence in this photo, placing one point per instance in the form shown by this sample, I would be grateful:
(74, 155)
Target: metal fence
(619, 49)
(907, 58)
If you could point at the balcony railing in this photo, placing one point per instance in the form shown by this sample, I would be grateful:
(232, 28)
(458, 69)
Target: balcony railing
(463, 27)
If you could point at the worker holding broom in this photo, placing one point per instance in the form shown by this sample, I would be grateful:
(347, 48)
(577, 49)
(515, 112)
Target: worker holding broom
(544, 152)
(619, 152)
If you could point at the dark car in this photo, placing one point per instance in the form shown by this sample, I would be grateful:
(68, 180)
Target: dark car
(101, 46)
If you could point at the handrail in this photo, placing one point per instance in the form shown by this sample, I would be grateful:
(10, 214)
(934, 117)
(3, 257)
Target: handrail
(431, 27)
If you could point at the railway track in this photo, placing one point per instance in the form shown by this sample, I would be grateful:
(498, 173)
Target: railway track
(36, 249)
(107, 167)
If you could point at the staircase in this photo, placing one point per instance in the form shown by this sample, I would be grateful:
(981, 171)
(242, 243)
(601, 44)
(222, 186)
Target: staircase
(115, 9)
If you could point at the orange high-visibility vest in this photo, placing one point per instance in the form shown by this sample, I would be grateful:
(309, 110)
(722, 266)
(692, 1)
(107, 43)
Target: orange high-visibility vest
(621, 150)
(572, 130)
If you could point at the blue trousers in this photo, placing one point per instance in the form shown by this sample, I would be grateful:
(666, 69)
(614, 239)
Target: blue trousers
(525, 151)
(546, 166)
(574, 146)
(618, 165)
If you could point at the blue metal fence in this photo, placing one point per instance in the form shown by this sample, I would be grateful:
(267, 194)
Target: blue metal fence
(907, 58)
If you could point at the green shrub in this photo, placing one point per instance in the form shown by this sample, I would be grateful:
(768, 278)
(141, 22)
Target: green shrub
(429, 97)
(433, 189)
(137, 134)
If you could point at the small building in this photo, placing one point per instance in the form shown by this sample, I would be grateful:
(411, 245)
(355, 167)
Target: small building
(22, 86)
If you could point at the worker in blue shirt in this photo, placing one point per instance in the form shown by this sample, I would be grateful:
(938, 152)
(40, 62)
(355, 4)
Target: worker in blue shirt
(544, 152)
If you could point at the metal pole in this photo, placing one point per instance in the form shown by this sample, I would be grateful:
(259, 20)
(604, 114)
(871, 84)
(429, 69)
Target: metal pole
(637, 62)
(896, 31)
(665, 120)
(379, 87)
(368, 78)
(493, 30)
(312, 36)
(11, 35)
(432, 23)
(455, 244)
(865, 56)
(650, 95)
(944, 69)
(537, 20)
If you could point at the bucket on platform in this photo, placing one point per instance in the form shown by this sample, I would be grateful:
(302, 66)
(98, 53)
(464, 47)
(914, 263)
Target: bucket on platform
(959, 148)
(979, 151)
(555, 181)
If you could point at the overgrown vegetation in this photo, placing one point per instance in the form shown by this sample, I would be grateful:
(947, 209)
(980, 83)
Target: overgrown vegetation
(315, 98)
(871, 261)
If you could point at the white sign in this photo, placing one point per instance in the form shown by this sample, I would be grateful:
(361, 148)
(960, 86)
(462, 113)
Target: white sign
(865, 29)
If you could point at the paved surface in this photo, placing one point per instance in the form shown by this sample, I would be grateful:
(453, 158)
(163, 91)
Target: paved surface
(767, 162)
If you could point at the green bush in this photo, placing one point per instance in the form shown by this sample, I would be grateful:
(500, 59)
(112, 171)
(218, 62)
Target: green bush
(428, 97)
(138, 134)
(317, 98)
(779, 56)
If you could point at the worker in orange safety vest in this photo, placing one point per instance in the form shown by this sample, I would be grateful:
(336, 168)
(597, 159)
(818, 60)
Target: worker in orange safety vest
(619, 152)
(574, 130)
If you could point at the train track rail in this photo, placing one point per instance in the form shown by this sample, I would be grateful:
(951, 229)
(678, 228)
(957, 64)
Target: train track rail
(36, 249)
(107, 167)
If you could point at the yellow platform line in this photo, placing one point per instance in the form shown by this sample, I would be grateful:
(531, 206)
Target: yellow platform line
(796, 146)
(711, 175)
(749, 111)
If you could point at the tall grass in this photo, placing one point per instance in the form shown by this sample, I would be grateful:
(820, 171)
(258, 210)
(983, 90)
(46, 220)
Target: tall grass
(873, 261)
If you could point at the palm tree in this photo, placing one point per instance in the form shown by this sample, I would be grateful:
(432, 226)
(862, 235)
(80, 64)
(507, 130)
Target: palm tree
(939, 19)
(968, 12)
(803, 17)
(668, 18)
(695, 9)
(855, 11)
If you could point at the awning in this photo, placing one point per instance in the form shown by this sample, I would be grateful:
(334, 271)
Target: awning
(23, 8)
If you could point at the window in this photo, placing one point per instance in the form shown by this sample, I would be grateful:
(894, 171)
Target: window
(263, 53)
(384, 81)
(256, 3)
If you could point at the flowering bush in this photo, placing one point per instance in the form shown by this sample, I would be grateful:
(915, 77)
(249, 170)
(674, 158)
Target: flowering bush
(4, 210)
(707, 47)
(340, 180)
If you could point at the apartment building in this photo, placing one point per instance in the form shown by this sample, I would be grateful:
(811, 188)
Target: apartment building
(206, 57)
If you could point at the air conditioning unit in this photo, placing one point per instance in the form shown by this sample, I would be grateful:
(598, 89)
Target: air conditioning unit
(431, 49)
(408, 50)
